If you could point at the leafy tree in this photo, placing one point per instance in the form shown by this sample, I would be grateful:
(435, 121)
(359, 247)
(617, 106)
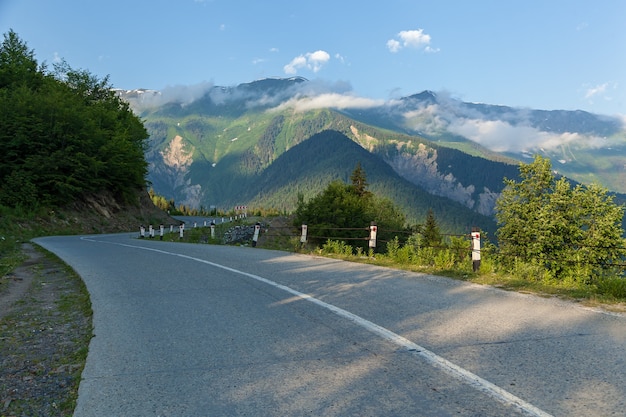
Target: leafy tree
(543, 219)
(65, 133)
(17, 62)
(344, 211)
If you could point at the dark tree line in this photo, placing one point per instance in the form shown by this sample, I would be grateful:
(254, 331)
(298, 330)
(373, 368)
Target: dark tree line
(63, 133)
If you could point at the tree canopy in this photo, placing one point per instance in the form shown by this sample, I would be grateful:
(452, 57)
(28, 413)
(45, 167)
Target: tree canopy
(569, 230)
(345, 211)
(65, 133)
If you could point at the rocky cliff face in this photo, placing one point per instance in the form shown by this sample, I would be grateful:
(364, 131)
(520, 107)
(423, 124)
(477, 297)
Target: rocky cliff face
(172, 167)
(422, 169)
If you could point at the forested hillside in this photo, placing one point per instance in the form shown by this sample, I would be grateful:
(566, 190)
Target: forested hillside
(311, 165)
(64, 134)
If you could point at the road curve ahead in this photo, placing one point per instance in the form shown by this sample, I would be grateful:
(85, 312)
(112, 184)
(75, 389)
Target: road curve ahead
(203, 330)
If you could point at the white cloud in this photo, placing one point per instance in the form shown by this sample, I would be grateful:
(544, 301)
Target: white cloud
(183, 94)
(501, 136)
(186, 94)
(295, 64)
(313, 61)
(514, 135)
(332, 100)
(393, 45)
(426, 120)
(415, 39)
(594, 91)
(317, 59)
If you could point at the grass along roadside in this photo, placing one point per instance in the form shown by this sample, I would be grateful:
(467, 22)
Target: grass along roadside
(44, 339)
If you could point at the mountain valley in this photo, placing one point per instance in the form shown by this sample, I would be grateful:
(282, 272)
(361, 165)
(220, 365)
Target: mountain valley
(263, 143)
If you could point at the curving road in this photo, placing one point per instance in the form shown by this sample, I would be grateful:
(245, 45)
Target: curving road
(202, 330)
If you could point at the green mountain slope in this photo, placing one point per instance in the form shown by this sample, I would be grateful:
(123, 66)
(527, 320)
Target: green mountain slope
(250, 145)
(308, 167)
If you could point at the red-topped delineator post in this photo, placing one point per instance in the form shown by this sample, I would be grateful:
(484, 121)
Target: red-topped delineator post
(475, 249)
(255, 237)
(373, 231)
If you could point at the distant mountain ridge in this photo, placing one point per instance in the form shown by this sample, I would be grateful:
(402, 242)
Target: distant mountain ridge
(583, 146)
(239, 145)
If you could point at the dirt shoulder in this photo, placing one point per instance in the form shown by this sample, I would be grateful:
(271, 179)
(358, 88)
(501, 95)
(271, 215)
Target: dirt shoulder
(45, 312)
(45, 328)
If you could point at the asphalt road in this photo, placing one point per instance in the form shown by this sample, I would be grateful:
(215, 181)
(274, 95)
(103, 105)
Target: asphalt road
(203, 330)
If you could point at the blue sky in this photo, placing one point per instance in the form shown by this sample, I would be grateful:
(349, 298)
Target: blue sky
(544, 54)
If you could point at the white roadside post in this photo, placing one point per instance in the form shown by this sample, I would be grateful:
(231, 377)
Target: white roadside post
(181, 230)
(151, 232)
(212, 230)
(475, 249)
(303, 236)
(255, 238)
(161, 231)
(373, 231)
(142, 232)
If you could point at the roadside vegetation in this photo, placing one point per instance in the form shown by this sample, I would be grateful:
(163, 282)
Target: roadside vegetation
(554, 239)
(64, 133)
(71, 162)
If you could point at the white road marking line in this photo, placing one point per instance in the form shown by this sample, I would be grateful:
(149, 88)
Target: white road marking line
(435, 360)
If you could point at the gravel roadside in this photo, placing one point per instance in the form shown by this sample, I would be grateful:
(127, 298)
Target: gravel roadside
(45, 328)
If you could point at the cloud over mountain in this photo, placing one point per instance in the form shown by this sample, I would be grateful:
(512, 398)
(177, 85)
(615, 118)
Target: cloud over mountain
(505, 129)
(313, 61)
(498, 128)
(329, 100)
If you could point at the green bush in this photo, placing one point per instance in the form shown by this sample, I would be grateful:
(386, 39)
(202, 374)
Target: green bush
(337, 247)
(445, 259)
(614, 287)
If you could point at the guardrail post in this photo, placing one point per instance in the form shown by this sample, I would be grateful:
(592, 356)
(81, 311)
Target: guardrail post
(475, 249)
(373, 231)
(255, 237)
(303, 236)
